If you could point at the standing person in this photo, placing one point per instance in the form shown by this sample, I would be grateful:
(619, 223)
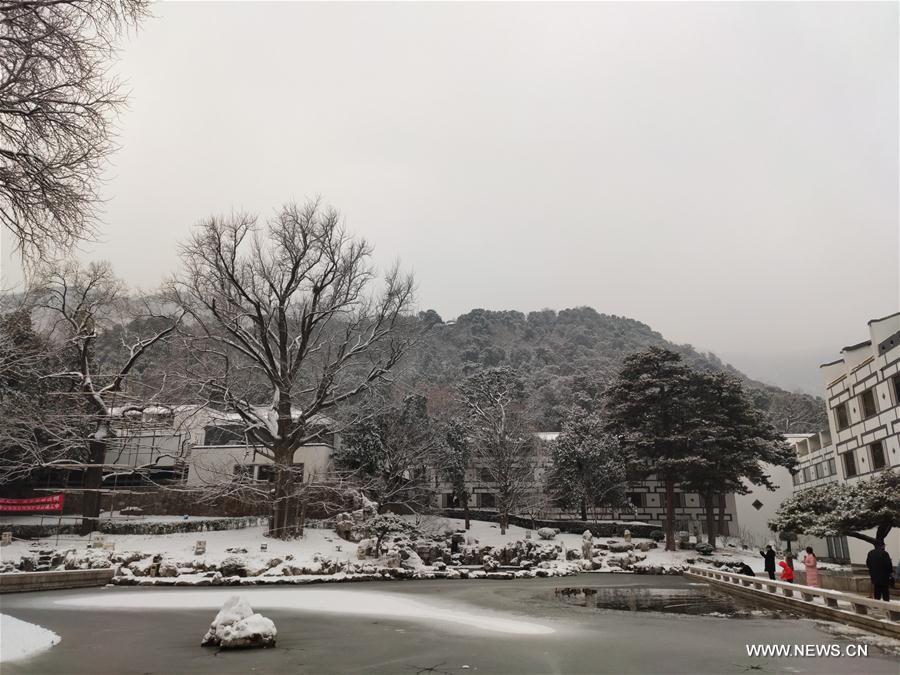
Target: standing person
(787, 573)
(880, 571)
(769, 555)
(812, 567)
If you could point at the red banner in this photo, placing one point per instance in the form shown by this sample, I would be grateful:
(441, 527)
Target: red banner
(33, 505)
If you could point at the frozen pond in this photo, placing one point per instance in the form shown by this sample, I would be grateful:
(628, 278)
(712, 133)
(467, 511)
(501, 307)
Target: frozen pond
(458, 627)
(330, 600)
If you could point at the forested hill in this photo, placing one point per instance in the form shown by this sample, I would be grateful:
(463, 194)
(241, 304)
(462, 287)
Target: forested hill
(561, 354)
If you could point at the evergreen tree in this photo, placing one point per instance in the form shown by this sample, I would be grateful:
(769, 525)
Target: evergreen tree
(588, 466)
(388, 449)
(455, 456)
(730, 441)
(843, 509)
(648, 408)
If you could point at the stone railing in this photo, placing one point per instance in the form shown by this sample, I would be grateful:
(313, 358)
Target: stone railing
(50, 581)
(884, 617)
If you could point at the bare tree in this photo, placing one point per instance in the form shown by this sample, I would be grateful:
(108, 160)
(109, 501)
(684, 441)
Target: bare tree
(82, 303)
(502, 438)
(56, 101)
(289, 328)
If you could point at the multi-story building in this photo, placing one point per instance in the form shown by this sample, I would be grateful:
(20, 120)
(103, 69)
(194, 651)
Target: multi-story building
(862, 394)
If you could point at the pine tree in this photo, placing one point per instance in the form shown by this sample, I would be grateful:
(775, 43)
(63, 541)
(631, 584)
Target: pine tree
(648, 409)
(588, 466)
(843, 509)
(730, 440)
(454, 457)
(388, 449)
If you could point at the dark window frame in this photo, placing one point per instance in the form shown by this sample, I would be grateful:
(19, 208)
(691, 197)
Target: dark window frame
(867, 412)
(875, 465)
(851, 464)
(841, 422)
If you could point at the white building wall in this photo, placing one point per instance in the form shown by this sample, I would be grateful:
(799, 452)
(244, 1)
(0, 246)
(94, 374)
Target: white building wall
(873, 364)
(212, 464)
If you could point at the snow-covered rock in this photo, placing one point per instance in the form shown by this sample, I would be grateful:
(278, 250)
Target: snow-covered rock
(237, 626)
(547, 532)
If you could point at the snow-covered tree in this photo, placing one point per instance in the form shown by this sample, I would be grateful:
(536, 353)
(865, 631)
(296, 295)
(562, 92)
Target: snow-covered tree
(82, 302)
(454, 458)
(587, 466)
(648, 407)
(501, 433)
(388, 449)
(289, 328)
(846, 509)
(730, 441)
(35, 424)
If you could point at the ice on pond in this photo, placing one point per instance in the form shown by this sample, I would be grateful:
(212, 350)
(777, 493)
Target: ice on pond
(350, 602)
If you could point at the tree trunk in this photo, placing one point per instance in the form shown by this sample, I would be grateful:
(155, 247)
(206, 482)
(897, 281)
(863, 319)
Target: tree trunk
(284, 511)
(465, 502)
(584, 509)
(504, 521)
(670, 515)
(709, 507)
(720, 530)
(93, 481)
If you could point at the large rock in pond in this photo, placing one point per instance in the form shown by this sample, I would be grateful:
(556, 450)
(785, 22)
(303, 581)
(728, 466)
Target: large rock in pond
(237, 626)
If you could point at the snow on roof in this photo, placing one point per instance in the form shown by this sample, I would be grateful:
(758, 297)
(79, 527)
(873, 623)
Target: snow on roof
(547, 435)
(263, 411)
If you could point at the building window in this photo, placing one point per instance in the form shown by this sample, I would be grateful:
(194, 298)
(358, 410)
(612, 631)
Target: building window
(813, 474)
(838, 549)
(485, 475)
(680, 500)
(896, 389)
(841, 419)
(877, 450)
(832, 469)
(849, 460)
(486, 500)
(867, 403)
(756, 504)
(636, 499)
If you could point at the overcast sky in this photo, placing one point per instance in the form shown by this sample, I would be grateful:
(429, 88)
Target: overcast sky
(725, 172)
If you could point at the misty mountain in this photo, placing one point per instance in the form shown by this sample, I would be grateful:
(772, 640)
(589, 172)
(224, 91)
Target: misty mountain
(574, 352)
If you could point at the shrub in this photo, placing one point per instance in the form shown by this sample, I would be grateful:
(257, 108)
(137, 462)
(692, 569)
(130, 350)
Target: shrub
(704, 549)
(657, 535)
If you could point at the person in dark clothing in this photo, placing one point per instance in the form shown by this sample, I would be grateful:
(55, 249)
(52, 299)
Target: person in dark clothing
(746, 569)
(881, 569)
(769, 555)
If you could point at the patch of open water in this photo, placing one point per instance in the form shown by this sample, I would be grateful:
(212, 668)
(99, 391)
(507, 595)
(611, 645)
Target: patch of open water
(697, 600)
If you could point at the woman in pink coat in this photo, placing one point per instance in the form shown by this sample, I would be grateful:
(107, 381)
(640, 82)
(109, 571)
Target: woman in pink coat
(812, 570)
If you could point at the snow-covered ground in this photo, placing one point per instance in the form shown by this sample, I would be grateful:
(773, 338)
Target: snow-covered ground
(117, 516)
(20, 639)
(181, 545)
(326, 543)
